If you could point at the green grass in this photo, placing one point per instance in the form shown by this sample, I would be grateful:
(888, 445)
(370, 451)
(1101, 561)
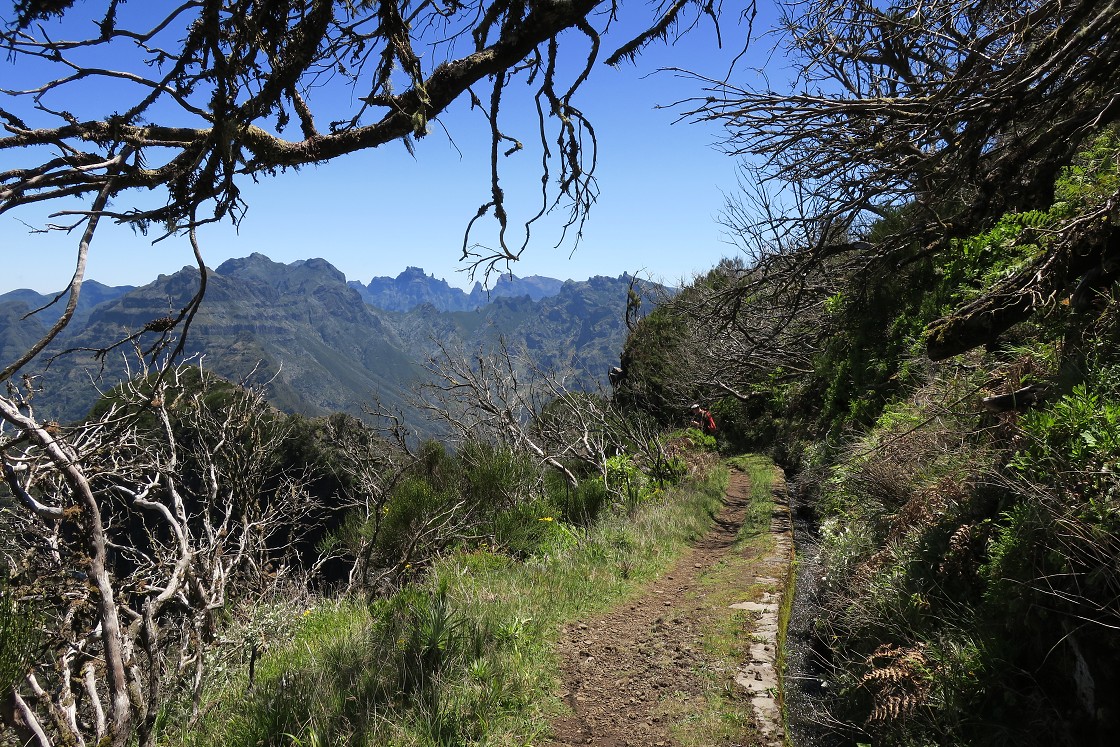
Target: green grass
(760, 470)
(465, 656)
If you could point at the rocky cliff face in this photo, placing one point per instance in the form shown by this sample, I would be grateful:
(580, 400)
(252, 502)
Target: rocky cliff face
(413, 288)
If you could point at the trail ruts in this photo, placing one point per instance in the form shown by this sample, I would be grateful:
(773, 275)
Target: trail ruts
(633, 673)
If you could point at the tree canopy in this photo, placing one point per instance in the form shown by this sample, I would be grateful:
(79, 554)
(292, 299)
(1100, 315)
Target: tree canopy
(187, 100)
(954, 112)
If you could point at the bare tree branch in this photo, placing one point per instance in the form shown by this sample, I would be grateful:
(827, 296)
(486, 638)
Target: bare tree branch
(954, 112)
(211, 87)
(151, 517)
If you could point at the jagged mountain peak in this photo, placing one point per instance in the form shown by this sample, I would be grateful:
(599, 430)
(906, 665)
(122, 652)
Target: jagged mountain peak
(300, 273)
(313, 342)
(414, 287)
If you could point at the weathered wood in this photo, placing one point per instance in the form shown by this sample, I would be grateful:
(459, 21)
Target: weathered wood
(1048, 280)
(1020, 399)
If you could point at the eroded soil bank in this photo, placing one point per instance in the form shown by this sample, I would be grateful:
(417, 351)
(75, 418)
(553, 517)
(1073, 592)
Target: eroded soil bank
(650, 673)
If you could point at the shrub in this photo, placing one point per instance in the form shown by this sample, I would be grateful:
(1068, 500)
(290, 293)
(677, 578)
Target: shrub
(669, 470)
(492, 477)
(527, 529)
(625, 480)
(579, 505)
(699, 439)
(19, 640)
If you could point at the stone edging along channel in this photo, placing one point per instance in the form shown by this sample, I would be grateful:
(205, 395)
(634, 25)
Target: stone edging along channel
(761, 676)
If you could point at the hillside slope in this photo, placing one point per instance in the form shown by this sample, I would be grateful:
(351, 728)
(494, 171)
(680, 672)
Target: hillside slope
(309, 338)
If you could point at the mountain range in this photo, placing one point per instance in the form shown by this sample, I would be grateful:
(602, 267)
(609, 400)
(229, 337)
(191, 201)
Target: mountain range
(413, 288)
(315, 342)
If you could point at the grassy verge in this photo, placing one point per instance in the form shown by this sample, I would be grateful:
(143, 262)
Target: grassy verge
(465, 656)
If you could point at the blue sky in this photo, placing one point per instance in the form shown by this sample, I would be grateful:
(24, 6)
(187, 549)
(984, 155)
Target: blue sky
(662, 186)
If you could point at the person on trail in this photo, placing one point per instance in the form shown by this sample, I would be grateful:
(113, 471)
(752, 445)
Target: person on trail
(703, 420)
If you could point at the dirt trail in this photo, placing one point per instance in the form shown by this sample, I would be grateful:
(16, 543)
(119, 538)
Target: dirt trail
(632, 674)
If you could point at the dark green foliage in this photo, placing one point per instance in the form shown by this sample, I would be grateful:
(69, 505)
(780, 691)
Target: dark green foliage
(1077, 437)
(672, 469)
(526, 529)
(258, 453)
(981, 615)
(20, 639)
(876, 322)
(494, 478)
(29, 11)
(742, 424)
(651, 368)
(480, 494)
(1052, 561)
(429, 638)
(579, 505)
(699, 439)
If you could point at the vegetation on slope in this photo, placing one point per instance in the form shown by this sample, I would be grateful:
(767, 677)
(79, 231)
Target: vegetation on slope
(927, 330)
(227, 520)
(925, 326)
(969, 508)
(459, 654)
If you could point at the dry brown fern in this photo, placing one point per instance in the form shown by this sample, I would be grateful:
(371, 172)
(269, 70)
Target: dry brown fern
(927, 508)
(898, 681)
(960, 558)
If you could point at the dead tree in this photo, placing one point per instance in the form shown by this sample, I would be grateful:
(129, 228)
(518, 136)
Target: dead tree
(740, 331)
(955, 112)
(141, 525)
(492, 397)
(372, 466)
(502, 397)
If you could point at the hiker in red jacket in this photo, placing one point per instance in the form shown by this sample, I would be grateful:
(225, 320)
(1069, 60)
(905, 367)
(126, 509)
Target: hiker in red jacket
(703, 420)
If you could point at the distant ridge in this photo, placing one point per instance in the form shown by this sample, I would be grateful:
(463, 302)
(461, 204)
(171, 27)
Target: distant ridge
(93, 293)
(314, 340)
(413, 288)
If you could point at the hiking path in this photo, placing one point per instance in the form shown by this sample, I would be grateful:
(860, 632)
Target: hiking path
(643, 673)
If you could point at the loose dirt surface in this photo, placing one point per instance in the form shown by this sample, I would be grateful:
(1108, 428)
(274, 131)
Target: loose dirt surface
(644, 673)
